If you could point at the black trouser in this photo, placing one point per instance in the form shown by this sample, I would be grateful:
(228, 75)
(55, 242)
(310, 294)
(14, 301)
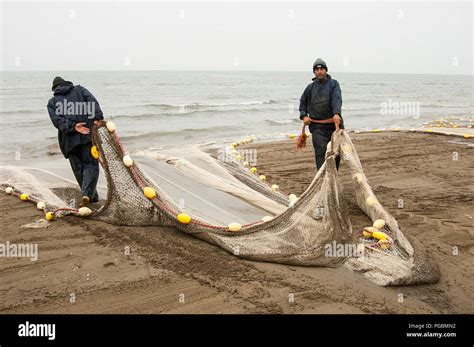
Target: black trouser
(321, 136)
(86, 170)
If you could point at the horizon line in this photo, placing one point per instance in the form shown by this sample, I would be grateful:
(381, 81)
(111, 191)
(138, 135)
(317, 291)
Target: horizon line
(237, 70)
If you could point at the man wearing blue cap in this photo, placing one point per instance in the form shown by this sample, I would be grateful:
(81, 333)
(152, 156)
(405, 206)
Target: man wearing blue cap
(322, 99)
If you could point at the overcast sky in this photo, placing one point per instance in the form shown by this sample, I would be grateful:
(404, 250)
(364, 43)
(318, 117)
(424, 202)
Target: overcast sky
(354, 37)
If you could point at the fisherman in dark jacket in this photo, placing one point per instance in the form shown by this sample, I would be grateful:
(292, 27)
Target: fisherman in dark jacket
(321, 99)
(73, 111)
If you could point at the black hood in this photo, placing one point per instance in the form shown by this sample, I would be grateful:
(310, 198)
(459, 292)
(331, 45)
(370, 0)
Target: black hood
(63, 88)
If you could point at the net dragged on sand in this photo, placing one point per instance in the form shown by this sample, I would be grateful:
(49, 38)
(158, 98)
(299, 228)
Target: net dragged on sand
(300, 231)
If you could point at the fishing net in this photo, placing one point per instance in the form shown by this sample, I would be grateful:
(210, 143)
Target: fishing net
(313, 229)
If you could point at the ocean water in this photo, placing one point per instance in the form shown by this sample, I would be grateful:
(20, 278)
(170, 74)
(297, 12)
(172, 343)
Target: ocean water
(171, 108)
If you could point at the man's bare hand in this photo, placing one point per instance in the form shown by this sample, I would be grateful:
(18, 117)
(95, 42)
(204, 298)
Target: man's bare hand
(82, 129)
(337, 121)
(307, 120)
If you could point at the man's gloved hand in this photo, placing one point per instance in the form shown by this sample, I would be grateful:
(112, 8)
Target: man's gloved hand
(81, 128)
(307, 120)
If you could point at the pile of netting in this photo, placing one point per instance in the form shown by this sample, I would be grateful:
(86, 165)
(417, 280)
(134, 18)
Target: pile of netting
(310, 230)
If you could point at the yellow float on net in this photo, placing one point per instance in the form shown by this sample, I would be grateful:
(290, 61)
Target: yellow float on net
(49, 216)
(234, 227)
(358, 177)
(183, 218)
(467, 136)
(95, 152)
(40, 205)
(292, 196)
(379, 235)
(110, 126)
(238, 157)
(346, 148)
(368, 231)
(253, 169)
(24, 197)
(262, 177)
(275, 187)
(291, 136)
(379, 223)
(127, 160)
(149, 192)
(9, 190)
(84, 211)
(371, 201)
(245, 164)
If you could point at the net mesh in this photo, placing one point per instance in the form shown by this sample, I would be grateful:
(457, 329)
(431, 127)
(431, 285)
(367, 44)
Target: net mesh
(313, 229)
(302, 229)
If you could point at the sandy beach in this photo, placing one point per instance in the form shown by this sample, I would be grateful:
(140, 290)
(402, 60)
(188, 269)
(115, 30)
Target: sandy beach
(84, 266)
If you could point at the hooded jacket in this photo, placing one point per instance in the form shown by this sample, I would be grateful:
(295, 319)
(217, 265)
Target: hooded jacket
(321, 100)
(70, 105)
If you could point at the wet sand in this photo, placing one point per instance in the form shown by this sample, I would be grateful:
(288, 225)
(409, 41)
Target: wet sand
(169, 272)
